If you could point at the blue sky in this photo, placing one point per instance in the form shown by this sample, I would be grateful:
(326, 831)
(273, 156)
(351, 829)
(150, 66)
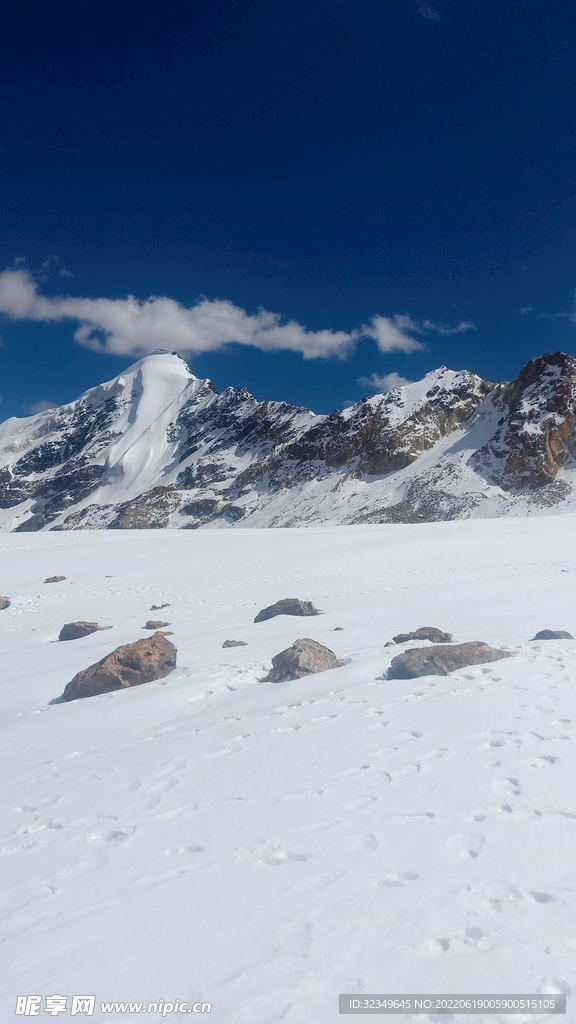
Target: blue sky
(388, 173)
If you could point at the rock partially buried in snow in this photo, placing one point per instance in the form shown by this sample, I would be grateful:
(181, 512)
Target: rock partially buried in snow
(155, 624)
(75, 630)
(4, 603)
(432, 633)
(288, 606)
(553, 634)
(54, 579)
(158, 607)
(304, 658)
(234, 643)
(130, 665)
(427, 661)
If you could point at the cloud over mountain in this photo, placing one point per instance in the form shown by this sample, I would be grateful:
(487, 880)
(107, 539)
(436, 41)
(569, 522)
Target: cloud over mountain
(137, 327)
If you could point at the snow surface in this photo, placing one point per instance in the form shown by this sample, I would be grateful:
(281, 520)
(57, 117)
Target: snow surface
(264, 847)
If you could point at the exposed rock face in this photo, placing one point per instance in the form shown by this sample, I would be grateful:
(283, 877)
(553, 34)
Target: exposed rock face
(304, 658)
(130, 665)
(4, 603)
(288, 606)
(54, 579)
(380, 434)
(158, 607)
(432, 633)
(427, 661)
(553, 634)
(537, 431)
(155, 624)
(148, 512)
(75, 630)
(234, 643)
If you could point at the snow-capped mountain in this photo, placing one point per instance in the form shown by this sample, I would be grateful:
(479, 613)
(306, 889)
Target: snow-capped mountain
(158, 447)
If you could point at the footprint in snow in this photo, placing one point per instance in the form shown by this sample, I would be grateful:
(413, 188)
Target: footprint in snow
(464, 846)
(539, 762)
(405, 771)
(410, 819)
(364, 842)
(179, 851)
(112, 836)
(351, 771)
(163, 787)
(508, 787)
(306, 794)
(395, 880)
(282, 857)
(360, 803)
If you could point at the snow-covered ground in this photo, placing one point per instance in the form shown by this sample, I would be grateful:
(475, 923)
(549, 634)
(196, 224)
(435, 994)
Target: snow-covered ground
(212, 837)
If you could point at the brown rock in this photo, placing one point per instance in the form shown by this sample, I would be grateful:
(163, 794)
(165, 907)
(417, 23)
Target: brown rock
(157, 607)
(54, 579)
(155, 624)
(74, 630)
(4, 603)
(234, 643)
(304, 658)
(432, 633)
(288, 606)
(130, 665)
(427, 661)
(553, 634)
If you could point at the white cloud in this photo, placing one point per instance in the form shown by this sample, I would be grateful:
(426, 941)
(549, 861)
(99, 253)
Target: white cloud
(137, 327)
(133, 327)
(42, 406)
(386, 383)
(390, 334)
(461, 328)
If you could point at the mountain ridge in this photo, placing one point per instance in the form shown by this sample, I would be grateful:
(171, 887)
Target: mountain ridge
(158, 447)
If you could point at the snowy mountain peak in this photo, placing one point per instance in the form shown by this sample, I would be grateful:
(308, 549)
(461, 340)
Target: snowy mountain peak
(159, 447)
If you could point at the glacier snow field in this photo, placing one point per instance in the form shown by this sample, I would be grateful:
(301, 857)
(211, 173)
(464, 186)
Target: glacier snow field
(212, 837)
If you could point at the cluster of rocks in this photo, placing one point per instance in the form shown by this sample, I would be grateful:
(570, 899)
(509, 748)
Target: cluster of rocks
(154, 657)
(447, 657)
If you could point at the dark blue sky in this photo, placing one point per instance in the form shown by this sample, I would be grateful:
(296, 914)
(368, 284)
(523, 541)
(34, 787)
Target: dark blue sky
(328, 160)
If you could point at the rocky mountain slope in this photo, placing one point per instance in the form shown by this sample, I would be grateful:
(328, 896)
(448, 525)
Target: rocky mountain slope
(157, 447)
